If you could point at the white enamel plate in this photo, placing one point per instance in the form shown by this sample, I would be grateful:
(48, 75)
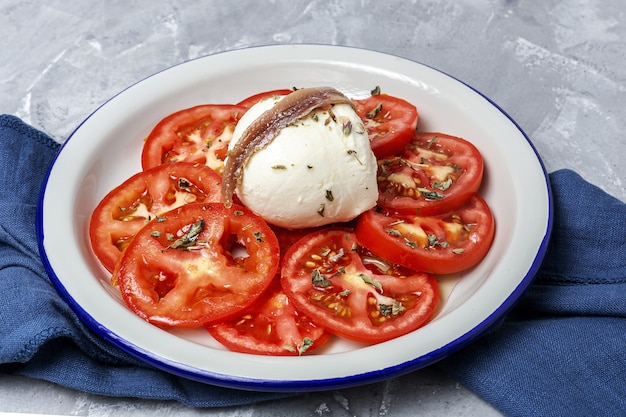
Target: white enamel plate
(105, 150)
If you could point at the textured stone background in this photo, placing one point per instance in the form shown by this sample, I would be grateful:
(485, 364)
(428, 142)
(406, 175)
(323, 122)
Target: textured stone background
(557, 67)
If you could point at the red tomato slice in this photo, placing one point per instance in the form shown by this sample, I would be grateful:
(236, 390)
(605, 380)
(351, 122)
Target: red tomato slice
(325, 278)
(440, 244)
(198, 134)
(144, 196)
(272, 326)
(199, 263)
(254, 99)
(390, 122)
(287, 237)
(434, 174)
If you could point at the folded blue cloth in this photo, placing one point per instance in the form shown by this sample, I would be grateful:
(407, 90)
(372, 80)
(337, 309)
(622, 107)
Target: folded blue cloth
(561, 351)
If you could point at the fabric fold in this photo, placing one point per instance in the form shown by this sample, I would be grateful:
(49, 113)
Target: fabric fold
(562, 350)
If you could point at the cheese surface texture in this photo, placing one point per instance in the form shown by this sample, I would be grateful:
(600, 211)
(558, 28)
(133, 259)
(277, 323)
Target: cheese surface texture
(316, 171)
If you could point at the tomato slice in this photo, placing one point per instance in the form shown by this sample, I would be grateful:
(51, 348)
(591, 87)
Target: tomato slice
(390, 122)
(440, 244)
(197, 134)
(324, 276)
(434, 174)
(287, 237)
(197, 264)
(272, 326)
(144, 196)
(254, 99)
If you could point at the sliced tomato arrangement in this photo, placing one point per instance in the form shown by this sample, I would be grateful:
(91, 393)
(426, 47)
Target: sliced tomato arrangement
(434, 173)
(182, 259)
(272, 326)
(390, 122)
(197, 264)
(144, 196)
(325, 277)
(198, 134)
(440, 244)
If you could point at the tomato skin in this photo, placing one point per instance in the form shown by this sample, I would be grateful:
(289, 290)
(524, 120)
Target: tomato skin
(390, 128)
(172, 283)
(197, 134)
(272, 326)
(126, 208)
(355, 302)
(255, 98)
(434, 174)
(417, 242)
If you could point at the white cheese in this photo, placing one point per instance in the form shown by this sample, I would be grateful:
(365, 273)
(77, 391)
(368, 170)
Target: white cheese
(317, 171)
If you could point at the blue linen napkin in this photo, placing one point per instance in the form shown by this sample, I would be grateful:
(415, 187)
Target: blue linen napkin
(561, 351)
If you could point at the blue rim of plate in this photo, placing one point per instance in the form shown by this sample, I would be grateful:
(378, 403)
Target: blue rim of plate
(253, 384)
